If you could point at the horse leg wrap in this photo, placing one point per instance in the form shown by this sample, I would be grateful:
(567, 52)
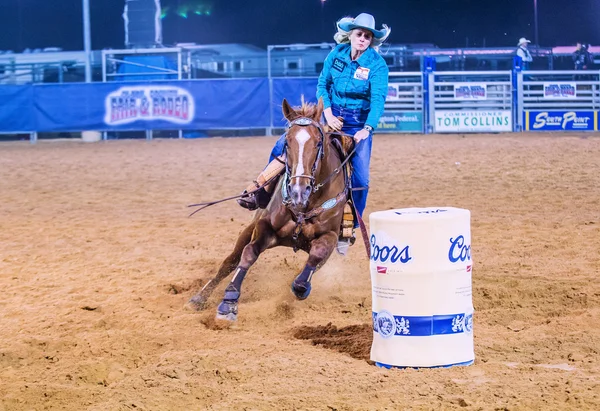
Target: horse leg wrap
(232, 292)
(306, 274)
(301, 286)
(228, 309)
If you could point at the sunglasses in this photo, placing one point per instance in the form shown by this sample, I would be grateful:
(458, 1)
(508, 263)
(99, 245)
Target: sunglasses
(366, 34)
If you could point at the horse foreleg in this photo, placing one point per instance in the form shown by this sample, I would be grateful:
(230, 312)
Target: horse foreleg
(199, 301)
(320, 250)
(264, 238)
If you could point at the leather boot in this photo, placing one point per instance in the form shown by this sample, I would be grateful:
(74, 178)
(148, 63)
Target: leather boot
(255, 196)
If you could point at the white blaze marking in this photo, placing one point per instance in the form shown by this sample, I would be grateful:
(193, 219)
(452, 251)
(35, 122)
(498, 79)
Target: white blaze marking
(301, 137)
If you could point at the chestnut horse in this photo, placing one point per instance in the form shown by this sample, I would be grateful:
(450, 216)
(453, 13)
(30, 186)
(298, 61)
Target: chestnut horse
(305, 211)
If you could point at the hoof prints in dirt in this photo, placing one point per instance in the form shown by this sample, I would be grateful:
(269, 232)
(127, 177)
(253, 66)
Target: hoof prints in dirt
(354, 340)
(212, 323)
(179, 289)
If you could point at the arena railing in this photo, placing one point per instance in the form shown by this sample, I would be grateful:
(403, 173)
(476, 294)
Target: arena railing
(558, 100)
(432, 101)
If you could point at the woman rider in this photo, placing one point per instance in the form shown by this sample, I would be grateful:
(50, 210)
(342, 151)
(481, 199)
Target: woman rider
(353, 85)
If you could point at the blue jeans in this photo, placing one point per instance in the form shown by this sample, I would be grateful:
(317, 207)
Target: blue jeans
(354, 120)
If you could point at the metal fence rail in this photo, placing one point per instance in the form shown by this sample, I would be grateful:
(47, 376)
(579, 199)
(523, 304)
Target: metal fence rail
(470, 101)
(404, 105)
(440, 102)
(558, 100)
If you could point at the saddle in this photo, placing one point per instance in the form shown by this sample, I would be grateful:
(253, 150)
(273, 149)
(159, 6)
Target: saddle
(344, 145)
(258, 194)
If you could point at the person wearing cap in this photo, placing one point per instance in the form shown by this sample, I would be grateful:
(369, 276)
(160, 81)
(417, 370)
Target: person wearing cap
(582, 58)
(353, 85)
(524, 53)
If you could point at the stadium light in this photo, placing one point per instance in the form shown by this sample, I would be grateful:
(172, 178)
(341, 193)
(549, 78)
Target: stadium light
(535, 22)
(87, 40)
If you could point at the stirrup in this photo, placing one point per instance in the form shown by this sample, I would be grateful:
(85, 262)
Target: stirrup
(344, 244)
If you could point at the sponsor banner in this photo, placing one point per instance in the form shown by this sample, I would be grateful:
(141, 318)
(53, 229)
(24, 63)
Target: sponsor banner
(154, 105)
(130, 104)
(447, 121)
(561, 120)
(401, 92)
(393, 92)
(400, 122)
(560, 91)
(470, 91)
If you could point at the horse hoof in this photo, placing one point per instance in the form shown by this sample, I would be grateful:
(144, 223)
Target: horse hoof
(301, 289)
(226, 317)
(197, 303)
(227, 310)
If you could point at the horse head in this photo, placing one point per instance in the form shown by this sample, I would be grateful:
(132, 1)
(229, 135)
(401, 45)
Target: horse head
(304, 151)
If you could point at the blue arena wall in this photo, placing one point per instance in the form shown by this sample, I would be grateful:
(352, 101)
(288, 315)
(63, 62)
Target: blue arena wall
(428, 102)
(155, 105)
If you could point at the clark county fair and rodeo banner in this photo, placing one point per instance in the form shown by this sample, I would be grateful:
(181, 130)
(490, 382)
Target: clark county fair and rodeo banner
(560, 91)
(470, 91)
(149, 103)
(476, 121)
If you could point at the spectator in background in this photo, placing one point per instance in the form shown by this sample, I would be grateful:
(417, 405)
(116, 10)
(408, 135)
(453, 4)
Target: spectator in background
(524, 53)
(581, 57)
(590, 57)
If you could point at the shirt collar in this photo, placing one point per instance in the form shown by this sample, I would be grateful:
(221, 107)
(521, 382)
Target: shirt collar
(364, 59)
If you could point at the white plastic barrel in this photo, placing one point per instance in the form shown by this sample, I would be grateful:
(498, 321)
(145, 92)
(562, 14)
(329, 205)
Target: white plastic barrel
(422, 291)
(91, 136)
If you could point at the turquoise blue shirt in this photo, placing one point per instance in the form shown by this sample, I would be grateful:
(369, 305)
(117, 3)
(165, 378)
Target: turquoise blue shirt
(354, 84)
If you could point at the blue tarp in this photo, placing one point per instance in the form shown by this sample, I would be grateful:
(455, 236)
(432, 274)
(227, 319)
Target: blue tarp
(291, 89)
(156, 105)
(16, 108)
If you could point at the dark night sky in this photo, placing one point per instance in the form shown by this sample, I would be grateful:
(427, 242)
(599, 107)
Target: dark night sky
(447, 23)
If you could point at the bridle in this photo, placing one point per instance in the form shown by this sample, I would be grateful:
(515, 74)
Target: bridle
(301, 217)
(305, 122)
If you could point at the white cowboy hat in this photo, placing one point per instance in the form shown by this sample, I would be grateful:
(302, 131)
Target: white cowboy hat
(363, 21)
(523, 40)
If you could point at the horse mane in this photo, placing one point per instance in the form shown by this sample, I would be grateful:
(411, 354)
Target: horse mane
(305, 109)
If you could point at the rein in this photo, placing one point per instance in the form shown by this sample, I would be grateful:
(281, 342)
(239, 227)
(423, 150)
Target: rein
(315, 189)
(209, 203)
(301, 218)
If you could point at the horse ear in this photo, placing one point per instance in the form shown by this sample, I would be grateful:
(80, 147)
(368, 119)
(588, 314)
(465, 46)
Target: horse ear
(319, 110)
(288, 111)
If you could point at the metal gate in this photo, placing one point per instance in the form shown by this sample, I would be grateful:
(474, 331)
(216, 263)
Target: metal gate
(476, 102)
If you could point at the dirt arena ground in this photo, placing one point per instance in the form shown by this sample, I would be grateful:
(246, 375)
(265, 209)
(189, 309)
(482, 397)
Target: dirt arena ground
(98, 259)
